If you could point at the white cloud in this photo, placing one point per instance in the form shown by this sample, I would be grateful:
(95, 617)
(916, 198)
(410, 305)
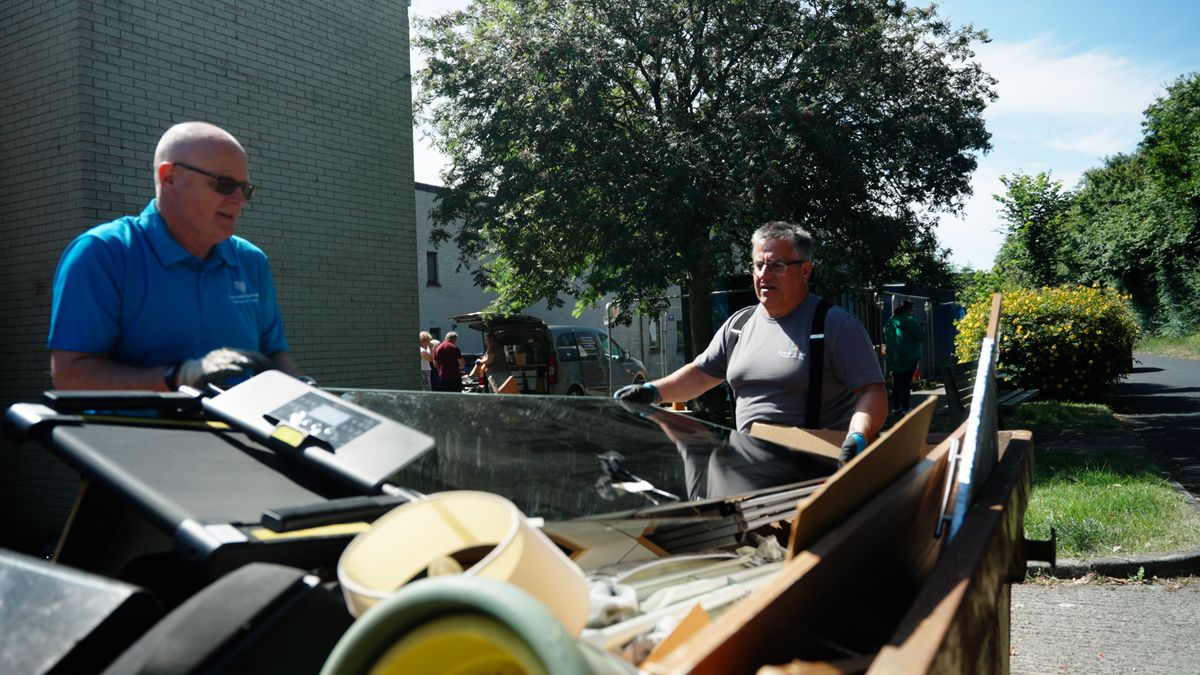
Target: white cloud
(1060, 110)
(1039, 77)
(1096, 143)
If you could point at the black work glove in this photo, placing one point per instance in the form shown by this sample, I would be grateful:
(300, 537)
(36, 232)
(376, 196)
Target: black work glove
(638, 393)
(854, 444)
(219, 365)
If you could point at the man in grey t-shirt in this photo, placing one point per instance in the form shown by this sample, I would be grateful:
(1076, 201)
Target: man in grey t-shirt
(769, 369)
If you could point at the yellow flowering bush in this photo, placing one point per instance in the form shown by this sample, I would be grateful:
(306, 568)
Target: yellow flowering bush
(1071, 342)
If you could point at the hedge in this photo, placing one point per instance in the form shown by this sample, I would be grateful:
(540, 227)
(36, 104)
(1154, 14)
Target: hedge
(1071, 342)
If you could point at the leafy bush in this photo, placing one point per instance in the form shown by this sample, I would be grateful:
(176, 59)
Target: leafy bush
(1071, 342)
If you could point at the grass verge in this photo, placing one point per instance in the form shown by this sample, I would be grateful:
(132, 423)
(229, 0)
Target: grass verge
(1054, 417)
(1108, 504)
(1183, 347)
(1099, 504)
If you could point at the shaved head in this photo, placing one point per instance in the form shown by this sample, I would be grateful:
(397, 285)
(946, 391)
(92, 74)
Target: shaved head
(181, 141)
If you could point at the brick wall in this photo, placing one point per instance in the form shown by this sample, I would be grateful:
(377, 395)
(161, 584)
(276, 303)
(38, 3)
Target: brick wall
(319, 95)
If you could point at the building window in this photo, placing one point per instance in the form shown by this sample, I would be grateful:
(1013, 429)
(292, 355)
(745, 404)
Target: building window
(431, 269)
(435, 332)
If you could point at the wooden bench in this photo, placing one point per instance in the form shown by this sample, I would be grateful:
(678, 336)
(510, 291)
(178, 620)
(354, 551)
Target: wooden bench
(960, 386)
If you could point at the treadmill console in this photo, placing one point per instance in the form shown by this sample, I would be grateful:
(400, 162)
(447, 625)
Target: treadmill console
(354, 443)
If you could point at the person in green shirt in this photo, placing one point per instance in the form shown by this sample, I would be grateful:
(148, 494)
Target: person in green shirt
(902, 337)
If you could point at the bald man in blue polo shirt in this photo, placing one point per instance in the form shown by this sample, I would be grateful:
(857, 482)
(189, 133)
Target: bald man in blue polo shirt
(170, 296)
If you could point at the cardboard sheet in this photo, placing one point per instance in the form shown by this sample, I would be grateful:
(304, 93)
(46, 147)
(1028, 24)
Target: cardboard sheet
(509, 386)
(827, 442)
(895, 451)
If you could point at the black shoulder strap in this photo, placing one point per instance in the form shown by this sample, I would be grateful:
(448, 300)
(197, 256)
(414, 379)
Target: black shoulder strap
(738, 320)
(816, 365)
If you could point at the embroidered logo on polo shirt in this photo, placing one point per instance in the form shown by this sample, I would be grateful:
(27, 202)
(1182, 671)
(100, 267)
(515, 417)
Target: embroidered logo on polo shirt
(792, 352)
(242, 297)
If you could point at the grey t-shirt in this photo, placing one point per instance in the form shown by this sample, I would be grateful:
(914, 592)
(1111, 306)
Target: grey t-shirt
(769, 372)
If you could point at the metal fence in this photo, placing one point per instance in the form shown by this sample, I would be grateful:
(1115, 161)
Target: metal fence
(658, 340)
(938, 317)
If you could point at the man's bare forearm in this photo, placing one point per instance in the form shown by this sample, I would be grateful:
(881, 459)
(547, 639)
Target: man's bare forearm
(685, 384)
(79, 370)
(870, 410)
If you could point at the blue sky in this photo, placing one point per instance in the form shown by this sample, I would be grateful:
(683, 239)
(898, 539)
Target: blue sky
(1074, 78)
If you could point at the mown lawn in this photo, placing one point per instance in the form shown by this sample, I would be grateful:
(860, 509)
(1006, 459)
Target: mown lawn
(1108, 504)
(1100, 504)
(1183, 347)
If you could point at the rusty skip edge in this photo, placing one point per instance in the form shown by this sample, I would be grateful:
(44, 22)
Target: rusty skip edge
(882, 592)
(959, 621)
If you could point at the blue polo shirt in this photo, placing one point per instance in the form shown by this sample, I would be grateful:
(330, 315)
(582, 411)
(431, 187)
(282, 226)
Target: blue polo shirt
(126, 289)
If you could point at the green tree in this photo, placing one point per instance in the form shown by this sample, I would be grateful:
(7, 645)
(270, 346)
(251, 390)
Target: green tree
(1172, 141)
(1035, 209)
(974, 286)
(1135, 222)
(1113, 228)
(1171, 147)
(633, 145)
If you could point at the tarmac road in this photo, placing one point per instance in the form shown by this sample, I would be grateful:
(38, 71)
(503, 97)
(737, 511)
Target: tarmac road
(1161, 402)
(1078, 627)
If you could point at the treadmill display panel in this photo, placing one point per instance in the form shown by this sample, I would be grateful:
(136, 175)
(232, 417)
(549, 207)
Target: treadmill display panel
(323, 419)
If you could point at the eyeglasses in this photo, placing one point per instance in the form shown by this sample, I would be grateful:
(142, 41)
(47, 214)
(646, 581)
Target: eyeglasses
(223, 184)
(775, 266)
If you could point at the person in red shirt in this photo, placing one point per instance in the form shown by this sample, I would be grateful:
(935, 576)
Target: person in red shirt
(449, 363)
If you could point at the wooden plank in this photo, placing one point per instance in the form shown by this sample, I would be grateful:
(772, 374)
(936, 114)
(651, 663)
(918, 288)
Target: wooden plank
(827, 442)
(993, 329)
(864, 476)
(696, 619)
(851, 587)
(959, 623)
(960, 385)
(1016, 397)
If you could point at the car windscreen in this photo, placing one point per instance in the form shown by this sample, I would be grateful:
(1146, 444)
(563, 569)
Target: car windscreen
(562, 457)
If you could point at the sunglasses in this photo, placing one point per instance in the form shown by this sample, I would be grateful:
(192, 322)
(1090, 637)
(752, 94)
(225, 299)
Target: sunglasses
(223, 184)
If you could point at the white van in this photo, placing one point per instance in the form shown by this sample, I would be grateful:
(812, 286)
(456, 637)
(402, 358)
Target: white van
(563, 360)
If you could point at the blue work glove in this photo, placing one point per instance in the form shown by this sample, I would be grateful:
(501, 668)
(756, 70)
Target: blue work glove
(854, 444)
(638, 393)
(219, 365)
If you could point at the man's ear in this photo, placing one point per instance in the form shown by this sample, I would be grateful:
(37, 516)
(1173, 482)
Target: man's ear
(165, 173)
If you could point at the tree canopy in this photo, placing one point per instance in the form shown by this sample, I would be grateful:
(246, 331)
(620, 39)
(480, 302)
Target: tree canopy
(1132, 224)
(601, 146)
(1034, 208)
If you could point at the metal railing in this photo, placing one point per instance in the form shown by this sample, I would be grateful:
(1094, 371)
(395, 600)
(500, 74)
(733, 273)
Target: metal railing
(658, 340)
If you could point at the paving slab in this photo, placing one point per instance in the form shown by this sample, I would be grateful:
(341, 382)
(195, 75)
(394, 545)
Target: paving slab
(1082, 626)
(1090, 628)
